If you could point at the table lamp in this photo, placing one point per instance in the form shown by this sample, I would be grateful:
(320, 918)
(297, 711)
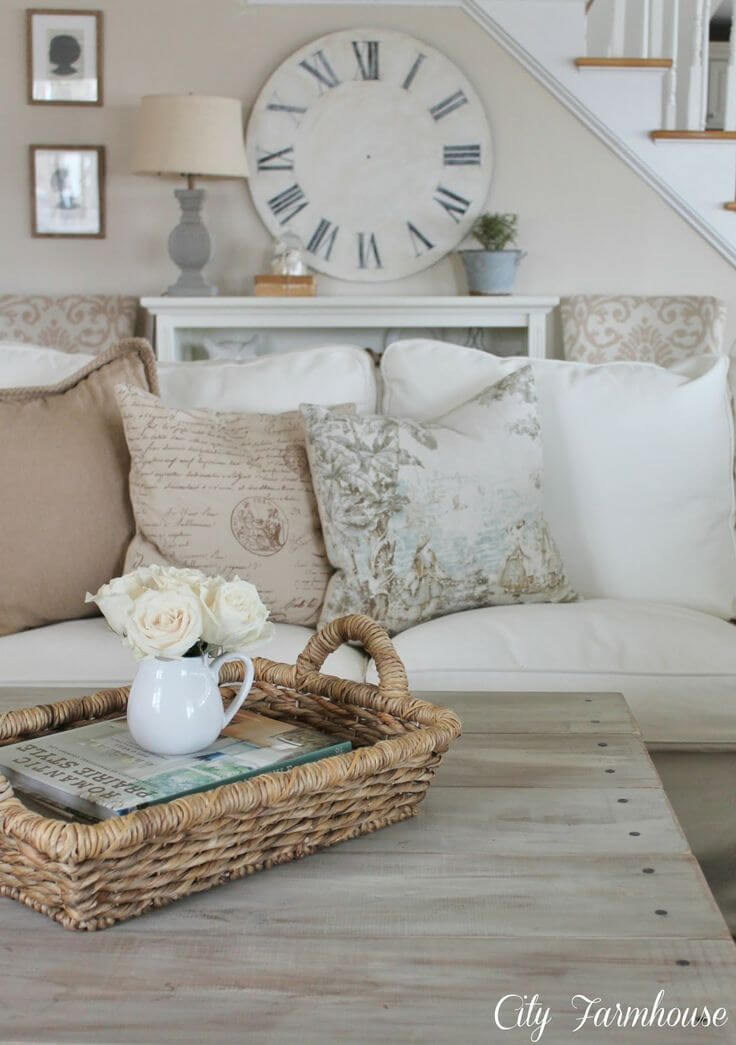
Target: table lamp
(192, 136)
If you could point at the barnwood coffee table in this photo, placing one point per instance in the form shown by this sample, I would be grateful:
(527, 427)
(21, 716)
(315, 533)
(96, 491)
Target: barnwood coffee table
(545, 863)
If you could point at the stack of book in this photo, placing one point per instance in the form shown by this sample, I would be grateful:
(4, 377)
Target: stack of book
(269, 286)
(98, 771)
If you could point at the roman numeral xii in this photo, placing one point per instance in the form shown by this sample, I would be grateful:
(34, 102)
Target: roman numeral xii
(366, 55)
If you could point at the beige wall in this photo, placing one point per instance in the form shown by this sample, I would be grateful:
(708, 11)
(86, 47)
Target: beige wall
(587, 221)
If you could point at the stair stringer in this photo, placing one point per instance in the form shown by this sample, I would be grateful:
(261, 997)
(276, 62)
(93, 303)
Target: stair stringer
(694, 179)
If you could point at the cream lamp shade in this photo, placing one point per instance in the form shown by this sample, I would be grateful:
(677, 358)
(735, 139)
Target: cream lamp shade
(189, 134)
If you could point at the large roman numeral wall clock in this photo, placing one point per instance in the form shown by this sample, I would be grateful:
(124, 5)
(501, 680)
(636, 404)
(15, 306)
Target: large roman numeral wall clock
(374, 149)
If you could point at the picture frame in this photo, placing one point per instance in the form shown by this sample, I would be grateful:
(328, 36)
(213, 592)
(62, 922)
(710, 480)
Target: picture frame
(68, 191)
(64, 56)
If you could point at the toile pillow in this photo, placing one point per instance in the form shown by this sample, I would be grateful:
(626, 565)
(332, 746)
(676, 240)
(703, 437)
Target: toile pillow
(227, 493)
(425, 519)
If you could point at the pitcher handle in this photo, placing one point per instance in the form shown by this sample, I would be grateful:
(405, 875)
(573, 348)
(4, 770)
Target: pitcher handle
(237, 703)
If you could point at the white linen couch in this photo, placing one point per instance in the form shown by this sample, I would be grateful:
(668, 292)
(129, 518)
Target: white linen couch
(639, 495)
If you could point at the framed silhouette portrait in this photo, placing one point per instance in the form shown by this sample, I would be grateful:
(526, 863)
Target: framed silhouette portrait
(67, 191)
(64, 57)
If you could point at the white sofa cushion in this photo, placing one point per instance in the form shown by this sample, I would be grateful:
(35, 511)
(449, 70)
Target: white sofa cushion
(675, 666)
(638, 465)
(29, 366)
(274, 384)
(86, 654)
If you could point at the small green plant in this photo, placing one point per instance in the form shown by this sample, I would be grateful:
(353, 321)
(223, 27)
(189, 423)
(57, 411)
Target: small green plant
(495, 231)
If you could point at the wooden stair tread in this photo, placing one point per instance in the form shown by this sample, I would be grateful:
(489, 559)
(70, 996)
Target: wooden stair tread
(623, 63)
(710, 136)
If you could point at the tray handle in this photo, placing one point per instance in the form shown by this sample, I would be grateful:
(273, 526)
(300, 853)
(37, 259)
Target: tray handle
(6, 791)
(392, 680)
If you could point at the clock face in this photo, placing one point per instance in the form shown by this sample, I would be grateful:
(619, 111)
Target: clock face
(374, 149)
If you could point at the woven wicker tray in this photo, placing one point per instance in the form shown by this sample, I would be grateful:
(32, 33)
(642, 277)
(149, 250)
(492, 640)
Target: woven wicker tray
(89, 876)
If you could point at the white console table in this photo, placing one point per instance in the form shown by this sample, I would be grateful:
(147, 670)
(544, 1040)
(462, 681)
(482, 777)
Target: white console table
(175, 315)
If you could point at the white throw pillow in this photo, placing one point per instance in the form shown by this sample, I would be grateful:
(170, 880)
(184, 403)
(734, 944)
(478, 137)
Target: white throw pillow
(32, 366)
(638, 465)
(274, 384)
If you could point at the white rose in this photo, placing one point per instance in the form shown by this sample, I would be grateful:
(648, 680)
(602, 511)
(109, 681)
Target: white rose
(116, 598)
(235, 617)
(145, 576)
(175, 578)
(164, 624)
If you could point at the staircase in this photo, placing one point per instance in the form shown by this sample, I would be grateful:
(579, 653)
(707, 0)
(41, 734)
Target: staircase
(636, 72)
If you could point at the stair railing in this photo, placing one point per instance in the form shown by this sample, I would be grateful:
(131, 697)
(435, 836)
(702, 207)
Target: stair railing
(676, 29)
(625, 28)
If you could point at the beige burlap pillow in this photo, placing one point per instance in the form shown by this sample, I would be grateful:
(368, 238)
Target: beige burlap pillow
(65, 514)
(227, 493)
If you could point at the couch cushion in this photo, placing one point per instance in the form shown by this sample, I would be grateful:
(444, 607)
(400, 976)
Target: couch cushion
(676, 667)
(638, 465)
(90, 323)
(86, 654)
(598, 328)
(275, 383)
(65, 514)
(24, 365)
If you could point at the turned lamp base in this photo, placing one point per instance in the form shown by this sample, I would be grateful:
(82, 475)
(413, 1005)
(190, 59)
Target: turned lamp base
(190, 247)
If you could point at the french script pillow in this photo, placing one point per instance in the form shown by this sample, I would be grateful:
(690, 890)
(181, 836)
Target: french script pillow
(227, 493)
(425, 519)
(65, 514)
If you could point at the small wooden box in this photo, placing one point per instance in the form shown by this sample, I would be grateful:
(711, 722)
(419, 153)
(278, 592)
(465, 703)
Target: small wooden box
(285, 286)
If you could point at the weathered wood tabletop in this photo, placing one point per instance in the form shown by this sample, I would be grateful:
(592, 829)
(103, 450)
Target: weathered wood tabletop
(545, 868)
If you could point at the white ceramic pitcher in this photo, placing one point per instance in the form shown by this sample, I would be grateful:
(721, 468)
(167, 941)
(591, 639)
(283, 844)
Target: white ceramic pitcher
(175, 706)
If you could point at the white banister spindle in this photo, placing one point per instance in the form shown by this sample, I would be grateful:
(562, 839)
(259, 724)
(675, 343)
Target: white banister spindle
(646, 29)
(617, 33)
(599, 29)
(704, 55)
(697, 94)
(658, 30)
(666, 38)
(729, 117)
(636, 20)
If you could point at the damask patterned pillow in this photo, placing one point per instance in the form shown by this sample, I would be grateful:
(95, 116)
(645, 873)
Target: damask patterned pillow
(425, 519)
(597, 328)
